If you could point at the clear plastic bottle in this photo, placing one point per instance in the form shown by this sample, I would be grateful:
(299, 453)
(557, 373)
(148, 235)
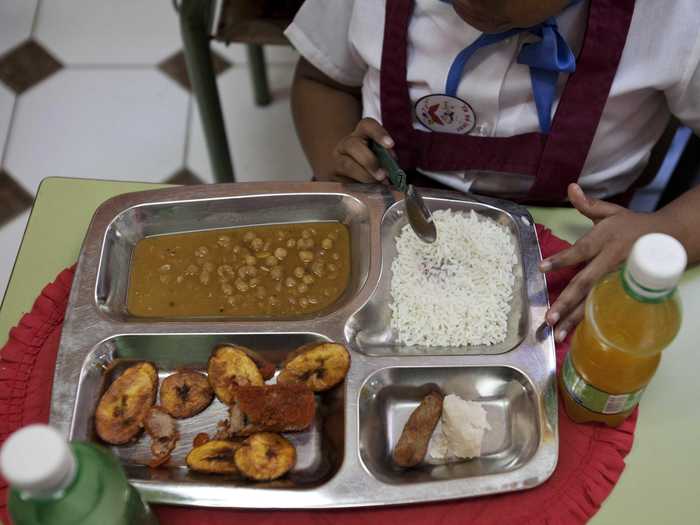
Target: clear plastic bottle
(631, 316)
(54, 483)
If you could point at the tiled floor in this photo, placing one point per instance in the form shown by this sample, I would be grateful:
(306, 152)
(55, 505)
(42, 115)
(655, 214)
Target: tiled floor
(97, 89)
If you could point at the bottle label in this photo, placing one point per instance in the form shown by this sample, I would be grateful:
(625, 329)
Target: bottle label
(592, 398)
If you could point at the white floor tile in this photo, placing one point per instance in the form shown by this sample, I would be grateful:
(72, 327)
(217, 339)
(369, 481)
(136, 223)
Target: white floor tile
(7, 101)
(10, 239)
(109, 124)
(16, 18)
(109, 31)
(263, 142)
(236, 53)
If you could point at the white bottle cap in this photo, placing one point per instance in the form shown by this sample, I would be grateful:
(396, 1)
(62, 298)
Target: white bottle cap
(655, 265)
(37, 460)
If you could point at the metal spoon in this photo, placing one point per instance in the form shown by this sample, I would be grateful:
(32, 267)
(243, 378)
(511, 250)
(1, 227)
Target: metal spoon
(419, 216)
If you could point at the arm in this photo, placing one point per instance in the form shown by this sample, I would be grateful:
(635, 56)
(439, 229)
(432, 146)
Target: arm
(327, 116)
(608, 244)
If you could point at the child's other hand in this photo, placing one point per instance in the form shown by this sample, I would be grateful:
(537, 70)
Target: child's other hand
(352, 157)
(604, 248)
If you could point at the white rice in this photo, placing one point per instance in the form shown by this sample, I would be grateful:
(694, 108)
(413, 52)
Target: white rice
(456, 291)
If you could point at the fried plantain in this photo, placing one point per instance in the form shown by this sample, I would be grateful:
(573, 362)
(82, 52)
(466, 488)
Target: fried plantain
(320, 366)
(230, 367)
(185, 393)
(265, 456)
(123, 407)
(214, 457)
(267, 369)
(162, 429)
(413, 443)
(269, 408)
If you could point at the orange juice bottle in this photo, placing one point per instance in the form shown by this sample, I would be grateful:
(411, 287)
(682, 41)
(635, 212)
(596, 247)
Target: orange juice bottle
(630, 317)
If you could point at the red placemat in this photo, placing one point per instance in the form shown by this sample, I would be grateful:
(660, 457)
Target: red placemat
(591, 457)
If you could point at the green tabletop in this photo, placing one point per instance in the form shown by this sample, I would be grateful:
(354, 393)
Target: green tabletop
(659, 484)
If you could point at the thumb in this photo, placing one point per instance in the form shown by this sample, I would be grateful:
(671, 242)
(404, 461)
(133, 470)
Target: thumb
(594, 209)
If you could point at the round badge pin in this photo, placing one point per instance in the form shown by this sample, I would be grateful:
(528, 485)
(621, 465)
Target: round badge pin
(445, 114)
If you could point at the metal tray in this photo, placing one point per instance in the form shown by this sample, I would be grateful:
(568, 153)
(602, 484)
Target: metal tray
(344, 458)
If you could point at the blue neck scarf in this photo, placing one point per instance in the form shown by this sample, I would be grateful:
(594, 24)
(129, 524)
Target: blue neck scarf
(546, 59)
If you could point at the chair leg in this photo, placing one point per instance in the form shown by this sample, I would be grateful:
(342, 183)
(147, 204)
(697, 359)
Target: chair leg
(258, 74)
(195, 16)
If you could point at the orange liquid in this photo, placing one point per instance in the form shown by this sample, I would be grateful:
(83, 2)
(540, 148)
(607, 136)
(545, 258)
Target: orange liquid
(618, 345)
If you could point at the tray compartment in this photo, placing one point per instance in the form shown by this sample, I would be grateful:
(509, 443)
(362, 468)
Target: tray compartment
(320, 449)
(388, 397)
(161, 218)
(370, 328)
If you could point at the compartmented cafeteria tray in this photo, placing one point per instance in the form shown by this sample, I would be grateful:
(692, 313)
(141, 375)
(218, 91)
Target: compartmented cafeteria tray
(344, 459)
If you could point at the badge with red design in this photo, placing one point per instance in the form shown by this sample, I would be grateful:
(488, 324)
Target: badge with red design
(445, 114)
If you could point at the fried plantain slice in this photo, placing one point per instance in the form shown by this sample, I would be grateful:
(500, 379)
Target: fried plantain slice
(413, 443)
(162, 429)
(265, 456)
(185, 393)
(320, 366)
(269, 408)
(230, 367)
(267, 369)
(123, 407)
(214, 457)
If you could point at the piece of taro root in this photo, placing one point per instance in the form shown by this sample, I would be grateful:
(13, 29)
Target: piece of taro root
(269, 408)
(162, 429)
(413, 443)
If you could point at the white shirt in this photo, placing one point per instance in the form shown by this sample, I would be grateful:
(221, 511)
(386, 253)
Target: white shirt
(658, 75)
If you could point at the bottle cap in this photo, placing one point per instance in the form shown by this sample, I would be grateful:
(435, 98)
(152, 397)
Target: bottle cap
(655, 265)
(37, 460)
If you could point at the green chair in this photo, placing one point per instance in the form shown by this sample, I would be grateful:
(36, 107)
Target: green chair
(253, 22)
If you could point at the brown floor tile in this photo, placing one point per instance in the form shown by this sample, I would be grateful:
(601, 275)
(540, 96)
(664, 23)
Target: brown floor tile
(14, 199)
(26, 65)
(184, 177)
(175, 67)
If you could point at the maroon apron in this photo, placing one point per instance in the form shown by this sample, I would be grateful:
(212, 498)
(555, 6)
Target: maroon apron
(555, 159)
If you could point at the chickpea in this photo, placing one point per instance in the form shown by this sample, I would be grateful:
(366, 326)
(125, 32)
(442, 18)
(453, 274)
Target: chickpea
(302, 288)
(291, 243)
(292, 300)
(257, 244)
(327, 244)
(335, 256)
(165, 268)
(248, 237)
(271, 260)
(317, 269)
(272, 300)
(313, 300)
(236, 249)
(191, 270)
(280, 235)
(241, 285)
(306, 244)
(298, 272)
(252, 271)
(267, 246)
(204, 278)
(304, 302)
(227, 289)
(224, 270)
(276, 273)
(327, 292)
(242, 271)
(202, 251)
(290, 282)
(306, 256)
(332, 267)
(253, 282)
(250, 260)
(281, 253)
(232, 300)
(306, 234)
(179, 279)
(223, 241)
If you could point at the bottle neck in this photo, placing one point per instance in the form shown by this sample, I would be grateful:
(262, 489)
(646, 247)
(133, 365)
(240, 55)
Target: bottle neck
(641, 293)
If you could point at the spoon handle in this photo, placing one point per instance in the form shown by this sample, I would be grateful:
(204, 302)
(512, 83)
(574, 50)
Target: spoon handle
(396, 175)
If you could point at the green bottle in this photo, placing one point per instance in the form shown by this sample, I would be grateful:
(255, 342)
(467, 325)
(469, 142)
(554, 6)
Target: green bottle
(54, 483)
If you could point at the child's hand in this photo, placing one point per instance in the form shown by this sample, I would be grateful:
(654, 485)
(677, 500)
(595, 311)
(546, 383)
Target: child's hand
(604, 248)
(352, 157)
